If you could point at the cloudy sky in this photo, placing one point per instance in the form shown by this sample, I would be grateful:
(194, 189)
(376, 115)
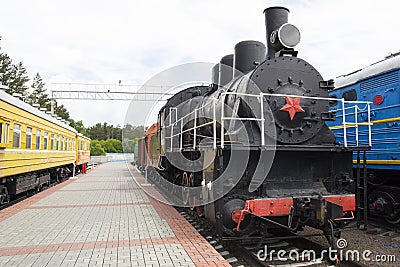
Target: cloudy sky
(103, 42)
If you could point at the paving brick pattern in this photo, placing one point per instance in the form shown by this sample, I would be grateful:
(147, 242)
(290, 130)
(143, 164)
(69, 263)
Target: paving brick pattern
(102, 218)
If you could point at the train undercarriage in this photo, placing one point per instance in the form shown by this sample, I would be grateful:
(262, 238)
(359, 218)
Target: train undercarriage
(290, 198)
(13, 186)
(384, 195)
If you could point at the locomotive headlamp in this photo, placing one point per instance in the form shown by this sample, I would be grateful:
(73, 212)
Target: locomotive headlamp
(287, 36)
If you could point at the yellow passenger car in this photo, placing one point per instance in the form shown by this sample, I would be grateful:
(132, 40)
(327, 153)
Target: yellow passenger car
(82, 152)
(35, 148)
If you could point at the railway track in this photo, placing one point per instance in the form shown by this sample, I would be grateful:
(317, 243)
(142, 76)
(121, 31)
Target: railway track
(379, 225)
(251, 253)
(27, 195)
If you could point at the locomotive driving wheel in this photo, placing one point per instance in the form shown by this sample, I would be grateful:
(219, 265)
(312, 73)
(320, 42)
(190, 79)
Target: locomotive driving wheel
(187, 182)
(187, 198)
(185, 189)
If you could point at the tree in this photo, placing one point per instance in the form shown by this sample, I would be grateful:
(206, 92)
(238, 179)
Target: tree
(131, 135)
(78, 125)
(130, 146)
(6, 69)
(96, 149)
(117, 133)
(96, 132)
(13, 76)
(108, 146)
(130, 132)
(105, 131)
(39, 94)
(116, 144)
(62, 112)
(19, 80)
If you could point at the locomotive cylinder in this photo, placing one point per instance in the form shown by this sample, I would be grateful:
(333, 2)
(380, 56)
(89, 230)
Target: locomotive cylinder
(248, 54)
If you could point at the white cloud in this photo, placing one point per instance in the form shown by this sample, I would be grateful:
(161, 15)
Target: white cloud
(106, 41)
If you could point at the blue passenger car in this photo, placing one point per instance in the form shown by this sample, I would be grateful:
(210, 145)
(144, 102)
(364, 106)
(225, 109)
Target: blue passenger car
(378, 83)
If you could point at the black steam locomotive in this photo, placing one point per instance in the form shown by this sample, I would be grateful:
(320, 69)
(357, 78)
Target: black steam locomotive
(254, 144)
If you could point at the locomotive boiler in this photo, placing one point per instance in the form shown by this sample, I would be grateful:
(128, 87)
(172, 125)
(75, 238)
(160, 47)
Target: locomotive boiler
(255, 142)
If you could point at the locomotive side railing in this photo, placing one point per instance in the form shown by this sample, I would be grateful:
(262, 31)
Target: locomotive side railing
(345, 105)
(355, 124)
(170, 121)
(194, 128)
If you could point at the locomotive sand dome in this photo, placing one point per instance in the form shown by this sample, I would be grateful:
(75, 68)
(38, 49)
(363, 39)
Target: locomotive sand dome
(269, 107)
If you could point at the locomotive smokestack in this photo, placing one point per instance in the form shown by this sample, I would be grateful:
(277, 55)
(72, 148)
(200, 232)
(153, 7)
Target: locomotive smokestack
(280, 33)
(248, 54)
(225, 70)
(275, 17)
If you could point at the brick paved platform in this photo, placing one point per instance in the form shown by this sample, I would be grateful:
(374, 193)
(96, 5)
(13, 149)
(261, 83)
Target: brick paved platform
(102, 218)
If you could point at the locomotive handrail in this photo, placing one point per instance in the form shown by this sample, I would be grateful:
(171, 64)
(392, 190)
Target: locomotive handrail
(195, 126)
(188, 130)
(344, 123)
(355, 124)
(369, 126)
(223, 118)
(193, 111)
(261, 119)
(350, 107)
(240, 118)
(340, 109)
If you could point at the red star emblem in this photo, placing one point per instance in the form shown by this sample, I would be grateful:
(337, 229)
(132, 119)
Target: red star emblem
(292, 106)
